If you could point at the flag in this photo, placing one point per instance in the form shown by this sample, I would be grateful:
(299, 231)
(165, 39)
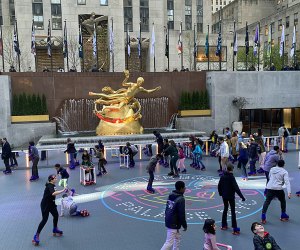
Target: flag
(1, 42)
(49, 46)
(128, 42)
(235, 46)
(281, 50)
(152, 51)
(219, 44)
(111, 41)
(179, 44)
(256, 40)
(167, 43)
(269, 50)
(293, 43)
(16, 41)
(95, 41)
(247, 40)
(139, 42)
(65, 43)
(206, 46)
(33, 49)
(195, 49)
(80, 41)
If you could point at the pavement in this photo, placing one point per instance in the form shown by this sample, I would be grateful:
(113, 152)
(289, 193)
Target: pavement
(125, 216)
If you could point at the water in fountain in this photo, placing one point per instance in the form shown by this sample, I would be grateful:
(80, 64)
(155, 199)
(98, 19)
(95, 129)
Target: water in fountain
(78, 114)
(172, 123)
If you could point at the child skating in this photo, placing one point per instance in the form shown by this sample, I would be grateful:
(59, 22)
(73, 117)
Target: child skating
(181, 166)
(48, 206)
(68, 206)
(88, 168)
(64, 175)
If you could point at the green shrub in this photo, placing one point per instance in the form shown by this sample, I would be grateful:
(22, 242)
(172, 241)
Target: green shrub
(194, 100)
(30, 104)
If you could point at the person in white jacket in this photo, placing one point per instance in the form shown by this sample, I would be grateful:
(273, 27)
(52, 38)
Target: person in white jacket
(224, 153)
(278, 178)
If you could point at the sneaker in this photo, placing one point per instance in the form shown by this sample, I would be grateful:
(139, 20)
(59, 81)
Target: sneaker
(183, 171)
(263, 219)
(236, 231)
(72, 192)
(171, 174)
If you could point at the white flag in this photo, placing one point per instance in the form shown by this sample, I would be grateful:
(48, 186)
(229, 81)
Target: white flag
(152, 51)
(111, 41)
(282, 42)
(293, 43)
(235, 45)
(95, 42)
(179, 43)
(128, 42)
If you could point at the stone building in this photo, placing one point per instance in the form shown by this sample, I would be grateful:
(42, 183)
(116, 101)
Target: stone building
(192, 14)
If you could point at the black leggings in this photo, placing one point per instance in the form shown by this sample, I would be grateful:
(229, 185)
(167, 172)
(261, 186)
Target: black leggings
(45, 215)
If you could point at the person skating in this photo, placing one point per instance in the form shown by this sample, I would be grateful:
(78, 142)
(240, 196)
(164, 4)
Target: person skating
(175, 217)
(99, 151)
(64, 175)
(198, 156)
(34, 157)
(48, 206)
(151, 169)
(278, 177)
(262, 239)
(173, 153)
(71, 150)
(227, 187)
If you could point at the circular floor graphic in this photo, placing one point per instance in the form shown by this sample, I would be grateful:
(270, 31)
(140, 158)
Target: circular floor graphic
(130, 198)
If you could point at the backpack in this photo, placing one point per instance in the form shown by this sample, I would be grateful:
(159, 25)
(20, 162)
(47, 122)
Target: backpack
(170, 207)
(285, 133)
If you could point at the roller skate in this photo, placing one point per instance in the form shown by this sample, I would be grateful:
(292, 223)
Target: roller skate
(7, 172)
(36, 240)
(104, 172)
(260, 171)
(263, 219)
(150, 190)
(203, 169)
(171, 173)
(298, 193)
(224, 227)
(183, 171)
(57, 232)
(176, 175)
(252, 173)
(99, 174)
(284, 217)
(236, 231)
(33, 178)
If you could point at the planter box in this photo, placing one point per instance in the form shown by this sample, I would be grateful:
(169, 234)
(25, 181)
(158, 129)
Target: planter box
(198, 112)
(29, 118)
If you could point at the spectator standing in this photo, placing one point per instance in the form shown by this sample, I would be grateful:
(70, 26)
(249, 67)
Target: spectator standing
(6, 154)
(34, 157)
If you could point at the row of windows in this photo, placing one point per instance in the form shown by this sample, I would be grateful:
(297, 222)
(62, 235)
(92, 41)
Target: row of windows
(83, 2)
(221, 2)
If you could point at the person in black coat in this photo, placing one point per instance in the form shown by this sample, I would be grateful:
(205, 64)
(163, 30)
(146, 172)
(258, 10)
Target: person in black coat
(6, 154)
(71, 150)
(227, 188)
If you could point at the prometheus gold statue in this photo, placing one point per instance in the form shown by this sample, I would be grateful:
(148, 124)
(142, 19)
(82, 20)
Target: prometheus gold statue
(121, 112)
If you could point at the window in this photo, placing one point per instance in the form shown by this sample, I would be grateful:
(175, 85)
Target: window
(81, 2)
(104, 2)
(273, 27)
(12, 15)
(296, 18)
(287, 40)
(144, 15)
(37, 12)
(287, 22)
(199, 16)
(224, 2)
(217, 2)
(128, 15)
(266, 30)
(1, 17)
(170, 10)
(188, 14)
(280, 25)
(56, 15)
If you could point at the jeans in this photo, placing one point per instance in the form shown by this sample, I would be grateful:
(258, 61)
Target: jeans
(173, 240)
(72, 161)
(173, 165)
(35, 162)
(252, 164)
(269, 197)
(6, 163)
(243, 168)
(226, 203)
(286, 141)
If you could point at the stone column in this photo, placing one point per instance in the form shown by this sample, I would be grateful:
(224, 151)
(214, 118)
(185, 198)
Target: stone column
(5, 110)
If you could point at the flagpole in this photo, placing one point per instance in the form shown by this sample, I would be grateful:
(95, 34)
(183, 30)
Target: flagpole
(168, 44)
(66, 45)
(283, 43)
(247, 45)
(195, 47)
(97, 59)
(49, 30)
(3, 68)
(35, 58)
(208, 47)
(294, 50)
(181, 43)
(233, 45)
(140, 44)
(81, 37)
(258, 45)
(271, 46)
(112, 53)
(220, 54)
(127, 46)
(19, 63)
(153, 49)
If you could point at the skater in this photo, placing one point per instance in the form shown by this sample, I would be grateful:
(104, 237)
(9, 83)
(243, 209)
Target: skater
(286, 135)
(210, 241)
(175, 217)
(87, 165)
(253, 155)
(233, 142)
(131, 151)
(173, 153)
(6, 154)
(227, 188)
(101, 160)
(261, 151)
(166, 158)
(262, 239)
(71, 150)
(214, 139)
(64, 175)
(198, 156)
(151, 169)
(160, 142)
(48, 206)
(181, 160)
(68, 206)
(278, 177)
(34, 157)
(243, 159)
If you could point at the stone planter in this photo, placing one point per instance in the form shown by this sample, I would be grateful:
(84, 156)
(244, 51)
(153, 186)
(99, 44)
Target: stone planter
(198, 112)
(29, 118)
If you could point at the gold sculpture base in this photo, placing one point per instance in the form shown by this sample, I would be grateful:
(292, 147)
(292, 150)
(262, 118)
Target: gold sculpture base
(107, 128)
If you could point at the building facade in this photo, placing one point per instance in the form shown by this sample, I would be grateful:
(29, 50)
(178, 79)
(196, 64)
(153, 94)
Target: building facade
(134, 15)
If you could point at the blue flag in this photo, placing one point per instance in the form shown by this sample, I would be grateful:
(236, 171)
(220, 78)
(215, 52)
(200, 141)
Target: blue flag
(207, 46)
(247, 40)
(80, 48)
(219, 45)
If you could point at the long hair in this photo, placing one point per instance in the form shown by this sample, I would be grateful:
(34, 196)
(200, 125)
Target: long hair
(208, 226)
